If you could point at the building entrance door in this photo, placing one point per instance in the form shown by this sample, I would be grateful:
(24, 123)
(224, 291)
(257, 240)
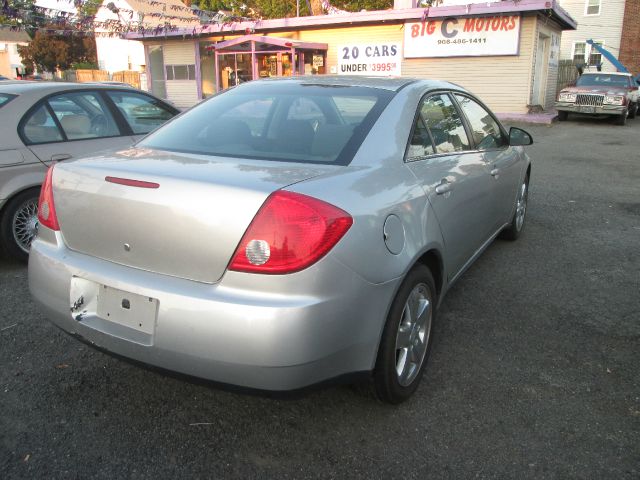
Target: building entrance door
(541, 70)
(234, 69)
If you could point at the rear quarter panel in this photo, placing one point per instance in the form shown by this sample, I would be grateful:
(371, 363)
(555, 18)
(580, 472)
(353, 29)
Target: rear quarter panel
(378, 184)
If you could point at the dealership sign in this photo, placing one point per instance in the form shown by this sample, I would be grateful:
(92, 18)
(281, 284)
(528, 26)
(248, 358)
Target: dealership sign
(462, 37)
(379, 59)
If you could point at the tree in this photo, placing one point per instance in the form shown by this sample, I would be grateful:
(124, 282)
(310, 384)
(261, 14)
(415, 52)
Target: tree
(357, 5)
(21, 13)
(49, 52)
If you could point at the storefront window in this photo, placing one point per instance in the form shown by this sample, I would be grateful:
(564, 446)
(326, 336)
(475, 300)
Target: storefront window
(314, 62)
(252, 57)
(235, 68)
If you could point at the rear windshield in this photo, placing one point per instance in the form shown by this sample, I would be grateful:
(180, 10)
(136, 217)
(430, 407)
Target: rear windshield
(283, 121)
(603, 79)
(5, 98)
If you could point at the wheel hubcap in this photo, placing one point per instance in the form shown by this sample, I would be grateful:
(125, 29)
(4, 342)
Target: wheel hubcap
(25, 224)
(521, 206)
(413, 334)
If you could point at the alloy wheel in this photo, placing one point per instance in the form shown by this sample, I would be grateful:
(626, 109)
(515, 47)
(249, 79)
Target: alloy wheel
(521, 206)
(413, 334)
(25, 224)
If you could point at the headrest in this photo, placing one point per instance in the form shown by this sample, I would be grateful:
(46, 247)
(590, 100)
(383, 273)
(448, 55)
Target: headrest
(76, 124)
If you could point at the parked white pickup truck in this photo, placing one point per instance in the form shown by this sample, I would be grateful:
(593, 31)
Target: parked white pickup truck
(600, 93)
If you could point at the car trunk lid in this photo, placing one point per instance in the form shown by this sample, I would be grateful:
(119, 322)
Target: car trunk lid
(179, 215)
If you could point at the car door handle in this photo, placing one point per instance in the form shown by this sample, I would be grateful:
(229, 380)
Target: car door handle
(495, 172)
(58, 157)
(444, 187)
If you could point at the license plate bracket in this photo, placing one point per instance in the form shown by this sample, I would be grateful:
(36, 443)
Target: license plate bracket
(587, 109)
(131, 310)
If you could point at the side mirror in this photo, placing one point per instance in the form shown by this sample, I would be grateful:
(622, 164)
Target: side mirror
(518, 137)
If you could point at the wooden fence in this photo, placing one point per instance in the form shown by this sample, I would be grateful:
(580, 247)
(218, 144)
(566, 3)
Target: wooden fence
(92, 76)
(567, 73)
(132, 78)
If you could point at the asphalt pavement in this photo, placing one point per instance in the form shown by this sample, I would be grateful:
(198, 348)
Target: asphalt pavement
(535, 369)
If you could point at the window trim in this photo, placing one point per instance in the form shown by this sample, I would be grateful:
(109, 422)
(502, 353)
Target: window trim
(503, 131)
(45, 100)
(586, 8)
(121, 123)
(10, 97)
(173, 72)
(591, 49)
(451, 93)
(588, 49)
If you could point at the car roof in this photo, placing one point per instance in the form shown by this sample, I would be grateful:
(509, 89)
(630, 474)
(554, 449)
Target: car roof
(25, 86)
(624, 74)
(385, 83)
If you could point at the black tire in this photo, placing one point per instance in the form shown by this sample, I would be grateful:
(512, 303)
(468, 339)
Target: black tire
(633, 111)
(622, 118)
(563, 116)
(16, 214)
(515, 228)
(387, 385)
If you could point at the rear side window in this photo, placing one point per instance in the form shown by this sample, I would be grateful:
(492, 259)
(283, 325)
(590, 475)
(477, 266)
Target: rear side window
(485, 130)
(40, 127)
(421, 144)
(83, 115)
(443, 121)
(141, 112)
(5, 98)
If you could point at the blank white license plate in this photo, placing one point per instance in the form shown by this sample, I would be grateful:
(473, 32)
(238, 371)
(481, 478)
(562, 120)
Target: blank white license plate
(125, 308)
(587, 109)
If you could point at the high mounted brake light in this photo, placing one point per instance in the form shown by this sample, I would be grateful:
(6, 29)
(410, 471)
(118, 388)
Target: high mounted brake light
(290, 232)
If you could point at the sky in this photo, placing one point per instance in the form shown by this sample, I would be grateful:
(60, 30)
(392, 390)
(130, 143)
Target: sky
(57, 4)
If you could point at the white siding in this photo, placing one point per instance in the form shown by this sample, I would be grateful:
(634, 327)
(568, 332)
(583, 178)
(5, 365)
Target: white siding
(179, 53)
(605, 27)
(503, 83)
(182, 93)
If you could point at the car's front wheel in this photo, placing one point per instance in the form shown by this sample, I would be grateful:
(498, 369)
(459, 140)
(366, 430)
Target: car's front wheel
(622, 118)
(19, 224)
(513, 231)
(563, 116)
(633, 110)
(406, 339)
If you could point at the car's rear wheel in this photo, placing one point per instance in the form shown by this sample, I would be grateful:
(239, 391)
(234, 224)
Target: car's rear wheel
(19, 224)
(563, 116)
(406, 339)
(513, 231)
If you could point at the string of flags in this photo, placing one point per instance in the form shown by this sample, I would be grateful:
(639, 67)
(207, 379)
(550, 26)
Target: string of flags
(170, 19)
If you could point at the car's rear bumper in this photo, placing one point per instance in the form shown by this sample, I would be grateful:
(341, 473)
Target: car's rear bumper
(283, 333)
(589, 110)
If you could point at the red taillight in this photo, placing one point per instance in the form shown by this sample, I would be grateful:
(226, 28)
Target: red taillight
(46, 208)
(290, 232)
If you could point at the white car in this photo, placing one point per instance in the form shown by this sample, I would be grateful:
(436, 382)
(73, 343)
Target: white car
(44, 122)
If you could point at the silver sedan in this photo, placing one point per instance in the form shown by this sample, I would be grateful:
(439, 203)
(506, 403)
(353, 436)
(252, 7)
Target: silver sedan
(283, 233)
(54, 121)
